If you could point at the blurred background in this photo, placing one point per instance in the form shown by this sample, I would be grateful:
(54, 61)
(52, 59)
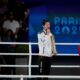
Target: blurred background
(21, 20)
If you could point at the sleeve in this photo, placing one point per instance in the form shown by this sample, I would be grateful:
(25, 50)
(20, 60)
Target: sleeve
(4, 25)
(17, 24)
(55, 51)
(40, 44)
(53, 44)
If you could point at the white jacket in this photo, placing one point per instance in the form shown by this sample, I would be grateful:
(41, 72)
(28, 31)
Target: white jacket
(44, 43)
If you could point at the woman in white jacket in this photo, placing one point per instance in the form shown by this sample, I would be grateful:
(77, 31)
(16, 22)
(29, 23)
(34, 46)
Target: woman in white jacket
(47, 49)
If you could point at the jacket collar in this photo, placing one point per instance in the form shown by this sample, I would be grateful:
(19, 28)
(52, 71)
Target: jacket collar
(44, 31)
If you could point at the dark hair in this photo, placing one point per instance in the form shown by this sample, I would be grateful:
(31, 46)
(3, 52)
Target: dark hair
(44, 21)
(11, 14)
(11, 36)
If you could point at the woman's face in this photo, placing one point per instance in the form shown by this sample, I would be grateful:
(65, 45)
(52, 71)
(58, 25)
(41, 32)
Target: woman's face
(47, 25)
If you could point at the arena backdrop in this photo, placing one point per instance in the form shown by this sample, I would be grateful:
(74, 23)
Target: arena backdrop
(65, 25)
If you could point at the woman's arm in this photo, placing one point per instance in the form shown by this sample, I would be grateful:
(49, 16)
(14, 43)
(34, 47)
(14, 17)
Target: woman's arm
(53, 45)
(40, 44)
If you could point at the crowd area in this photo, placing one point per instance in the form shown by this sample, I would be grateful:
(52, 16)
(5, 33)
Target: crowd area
(14, 23)
(13, 28)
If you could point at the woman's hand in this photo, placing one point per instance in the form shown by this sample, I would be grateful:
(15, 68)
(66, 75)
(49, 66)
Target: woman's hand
(48, 31)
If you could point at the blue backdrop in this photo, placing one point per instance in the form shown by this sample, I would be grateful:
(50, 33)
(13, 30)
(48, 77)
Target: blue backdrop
(65, 25)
